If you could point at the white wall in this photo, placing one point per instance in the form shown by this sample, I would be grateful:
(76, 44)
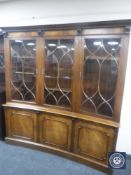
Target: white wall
(39, 12)
(34, 12)
(124, 137)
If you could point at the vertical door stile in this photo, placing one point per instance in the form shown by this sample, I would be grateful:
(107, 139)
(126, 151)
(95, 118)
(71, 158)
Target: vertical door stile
(7, 68)
(39, 71)
(77, 73)
(43, 69)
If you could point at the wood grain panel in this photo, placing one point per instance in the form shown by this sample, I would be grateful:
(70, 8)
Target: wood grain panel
(77, 72)
(104, 31)
(7, 68)
(63, 112)
(93, 141)
(21, 124)
(60, 33)
(39, 71)
(22, 34)
(55, 131)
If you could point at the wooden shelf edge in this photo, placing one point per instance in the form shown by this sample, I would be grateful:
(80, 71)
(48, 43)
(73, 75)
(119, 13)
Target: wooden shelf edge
(73, 115)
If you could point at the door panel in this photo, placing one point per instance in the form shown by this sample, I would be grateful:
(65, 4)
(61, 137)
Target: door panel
(55, 131)
(100, 71)
(93, 141)
(21, 124)
(59, 60)
(23, 69)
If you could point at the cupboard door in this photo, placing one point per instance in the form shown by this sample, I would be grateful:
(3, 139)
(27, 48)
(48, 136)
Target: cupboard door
(93, 141)
(22, 62)
(59, 60)
(21, 124)
(55, 131)
(100, 72)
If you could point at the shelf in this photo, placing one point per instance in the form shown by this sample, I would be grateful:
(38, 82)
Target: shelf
(24, 57)
(57, 89)
(105, 58)
(26, 73)
(66, 77)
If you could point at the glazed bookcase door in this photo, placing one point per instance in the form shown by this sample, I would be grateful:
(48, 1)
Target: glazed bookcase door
(59, 60)
(22, 70)
(99, 74)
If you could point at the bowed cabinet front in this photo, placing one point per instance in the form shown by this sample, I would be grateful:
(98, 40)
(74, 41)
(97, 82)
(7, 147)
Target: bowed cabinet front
(75, 136)
(64, 90)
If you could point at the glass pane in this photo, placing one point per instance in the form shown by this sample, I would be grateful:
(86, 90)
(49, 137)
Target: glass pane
(23, 79)
(99, 75)
(58, 71)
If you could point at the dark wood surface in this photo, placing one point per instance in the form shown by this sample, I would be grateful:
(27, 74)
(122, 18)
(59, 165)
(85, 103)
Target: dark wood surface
(93, 140)
(56, 130)
(77, 73)
(77, 69)
(2, 89)
(88, 141)
(40, 71)
(73, 115)
(2, 116)
(21, 124)
(84, 135)
(7, 69)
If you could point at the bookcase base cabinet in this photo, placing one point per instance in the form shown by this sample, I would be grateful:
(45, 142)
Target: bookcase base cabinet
(84, 141)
